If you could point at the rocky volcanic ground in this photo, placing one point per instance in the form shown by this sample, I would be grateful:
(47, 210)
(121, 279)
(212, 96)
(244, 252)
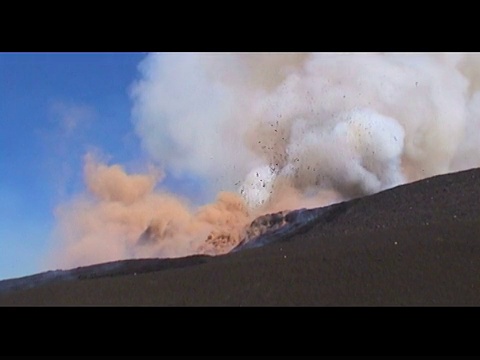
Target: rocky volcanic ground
(416, 244)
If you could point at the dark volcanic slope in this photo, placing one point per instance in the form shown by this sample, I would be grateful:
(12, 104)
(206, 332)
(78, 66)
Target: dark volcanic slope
(417, 244)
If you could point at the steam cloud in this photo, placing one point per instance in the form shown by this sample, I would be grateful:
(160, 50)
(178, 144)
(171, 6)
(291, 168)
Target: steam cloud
(271, 132)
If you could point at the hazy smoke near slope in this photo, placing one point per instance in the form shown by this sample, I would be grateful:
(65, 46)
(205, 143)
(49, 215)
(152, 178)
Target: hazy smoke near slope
(105, 223)
(282, 131)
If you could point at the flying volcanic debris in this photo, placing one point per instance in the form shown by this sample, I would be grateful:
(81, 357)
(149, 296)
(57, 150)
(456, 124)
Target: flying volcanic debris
(270, 132)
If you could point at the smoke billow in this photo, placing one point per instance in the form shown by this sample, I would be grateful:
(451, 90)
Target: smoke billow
(271, 132)
(105, 223)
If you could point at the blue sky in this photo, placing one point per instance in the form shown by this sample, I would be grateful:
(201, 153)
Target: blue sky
(54, 107)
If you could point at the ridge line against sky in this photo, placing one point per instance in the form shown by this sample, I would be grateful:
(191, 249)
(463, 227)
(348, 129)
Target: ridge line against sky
(284, 130)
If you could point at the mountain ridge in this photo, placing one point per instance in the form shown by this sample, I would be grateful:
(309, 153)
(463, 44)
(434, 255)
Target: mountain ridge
(422, 222)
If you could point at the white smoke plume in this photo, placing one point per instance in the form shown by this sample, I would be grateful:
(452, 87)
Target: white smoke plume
(352, 123)
(280, 130)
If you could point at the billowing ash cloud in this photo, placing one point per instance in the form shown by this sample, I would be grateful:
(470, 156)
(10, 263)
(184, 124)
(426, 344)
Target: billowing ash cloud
(283, 131)
(351, 124)
(106, 222)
